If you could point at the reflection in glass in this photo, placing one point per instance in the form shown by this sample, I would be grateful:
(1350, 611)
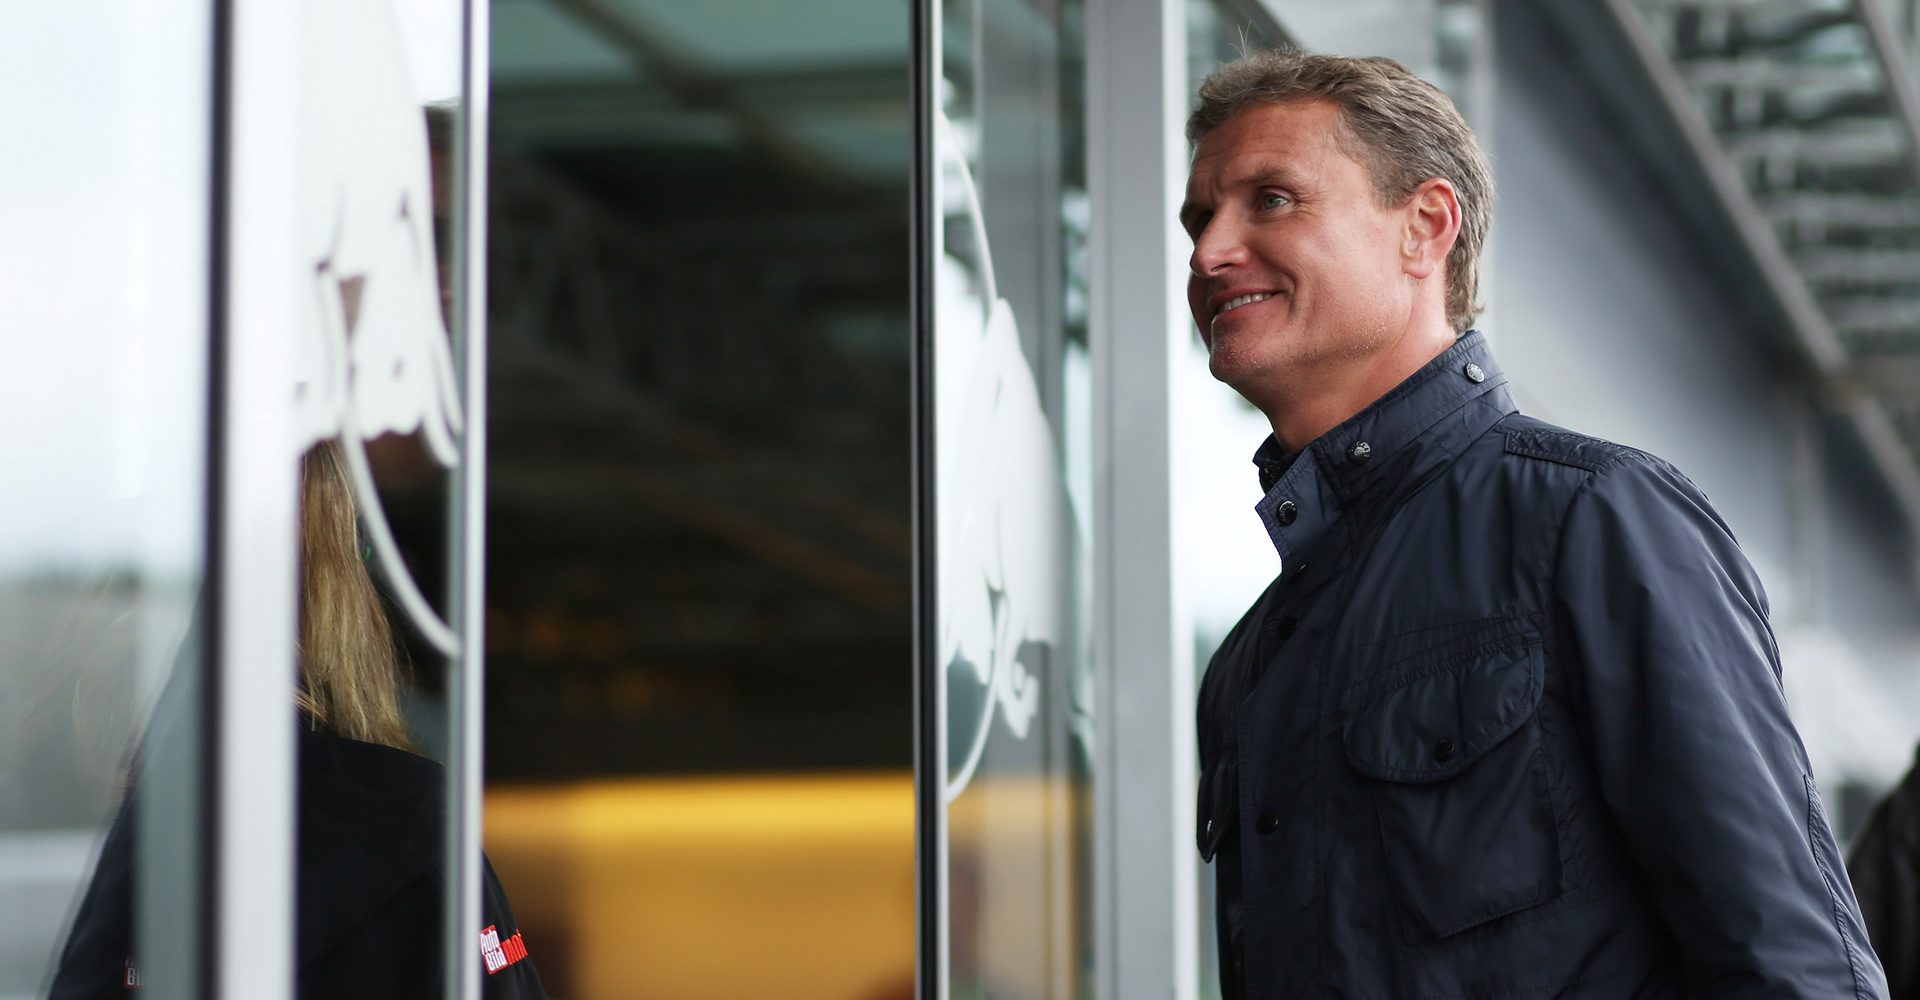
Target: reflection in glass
(380, 177)
(1010, 497)
(374, 356)
(369, 867)
(103, 304)
(699, 529)
(107, 603)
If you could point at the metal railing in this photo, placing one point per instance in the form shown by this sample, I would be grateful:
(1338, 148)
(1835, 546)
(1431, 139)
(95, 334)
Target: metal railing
(1805, 117)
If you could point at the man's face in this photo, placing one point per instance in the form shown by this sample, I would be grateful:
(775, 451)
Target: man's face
(1295, 264)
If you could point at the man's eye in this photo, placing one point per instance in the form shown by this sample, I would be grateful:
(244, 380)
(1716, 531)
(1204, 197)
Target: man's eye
(1272, 199)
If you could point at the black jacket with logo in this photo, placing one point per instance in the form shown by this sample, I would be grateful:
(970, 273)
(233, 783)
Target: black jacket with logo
(370, 878)
(1509, 723)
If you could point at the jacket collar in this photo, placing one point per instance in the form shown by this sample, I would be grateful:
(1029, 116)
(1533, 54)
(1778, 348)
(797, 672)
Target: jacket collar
(1377, 453)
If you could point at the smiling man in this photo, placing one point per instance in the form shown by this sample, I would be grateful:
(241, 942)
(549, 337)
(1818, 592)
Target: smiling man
(1509, 722)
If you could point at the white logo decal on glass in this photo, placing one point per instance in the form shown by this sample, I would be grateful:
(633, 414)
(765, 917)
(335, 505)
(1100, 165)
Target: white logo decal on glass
(1005, 524)
(374, 350)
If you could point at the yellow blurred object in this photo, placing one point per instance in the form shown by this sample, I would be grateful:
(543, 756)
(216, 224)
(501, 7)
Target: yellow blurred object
(712, 888)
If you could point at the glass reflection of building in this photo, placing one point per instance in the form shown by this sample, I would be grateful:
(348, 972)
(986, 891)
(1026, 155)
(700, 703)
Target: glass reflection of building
(701, 535)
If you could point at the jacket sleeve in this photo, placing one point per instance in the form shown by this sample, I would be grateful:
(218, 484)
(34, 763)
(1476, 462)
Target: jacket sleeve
(1885, 868)
(1661, 629)
(94, 962)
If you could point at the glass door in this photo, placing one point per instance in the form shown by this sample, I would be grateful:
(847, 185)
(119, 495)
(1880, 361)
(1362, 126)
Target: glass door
(238, 538)
(105, 268)
(1007, 771)
(699, 603)
(388, 432)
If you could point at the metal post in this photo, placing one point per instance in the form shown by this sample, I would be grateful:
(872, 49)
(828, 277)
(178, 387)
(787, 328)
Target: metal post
(254, 578)
(929, 745)
(1145, 885)
(466, 688)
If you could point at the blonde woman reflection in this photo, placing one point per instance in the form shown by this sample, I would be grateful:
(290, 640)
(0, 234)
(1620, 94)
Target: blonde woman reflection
(371, 871)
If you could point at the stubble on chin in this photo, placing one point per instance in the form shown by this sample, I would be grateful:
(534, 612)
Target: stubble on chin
(1258, 375)
(1270, 375)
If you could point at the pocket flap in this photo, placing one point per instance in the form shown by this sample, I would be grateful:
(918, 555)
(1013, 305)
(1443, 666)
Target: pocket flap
(1434, 723)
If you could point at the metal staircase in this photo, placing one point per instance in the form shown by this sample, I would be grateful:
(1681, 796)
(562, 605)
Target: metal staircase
(1804, 116)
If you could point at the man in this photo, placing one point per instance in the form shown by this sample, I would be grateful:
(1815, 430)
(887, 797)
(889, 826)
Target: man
(1509, 722)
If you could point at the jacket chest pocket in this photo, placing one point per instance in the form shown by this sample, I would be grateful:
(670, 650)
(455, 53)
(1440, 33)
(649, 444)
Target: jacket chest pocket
(1459, 787)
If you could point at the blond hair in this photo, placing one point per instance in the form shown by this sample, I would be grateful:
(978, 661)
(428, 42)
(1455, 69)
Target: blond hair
(349, 668)
(1403, 129)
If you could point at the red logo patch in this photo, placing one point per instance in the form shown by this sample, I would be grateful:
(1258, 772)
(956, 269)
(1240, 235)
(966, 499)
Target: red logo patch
(499, 954)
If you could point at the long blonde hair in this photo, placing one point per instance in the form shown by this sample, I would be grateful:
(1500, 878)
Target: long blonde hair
(349, 667)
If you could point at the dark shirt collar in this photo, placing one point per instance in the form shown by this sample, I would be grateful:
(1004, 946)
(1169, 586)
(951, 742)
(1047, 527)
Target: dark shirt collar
(1391, 443)
(1273, 458)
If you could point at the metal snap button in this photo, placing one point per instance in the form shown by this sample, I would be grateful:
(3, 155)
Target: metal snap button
(1286, 512)
(1268, 823)
(1359, 451)
(1475, 373)
(1444, 749)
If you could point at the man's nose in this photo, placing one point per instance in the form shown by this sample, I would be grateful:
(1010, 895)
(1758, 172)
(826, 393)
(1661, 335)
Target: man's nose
(1217, 248)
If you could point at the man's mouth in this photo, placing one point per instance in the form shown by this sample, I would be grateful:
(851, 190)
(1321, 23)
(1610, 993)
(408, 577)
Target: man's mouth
(1243, 300)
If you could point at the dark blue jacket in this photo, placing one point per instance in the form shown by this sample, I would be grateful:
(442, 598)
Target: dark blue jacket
(1509, 724)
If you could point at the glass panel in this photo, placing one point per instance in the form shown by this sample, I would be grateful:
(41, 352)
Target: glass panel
(1011, 503)
(104, 289)
(699, 621)
(378, 390)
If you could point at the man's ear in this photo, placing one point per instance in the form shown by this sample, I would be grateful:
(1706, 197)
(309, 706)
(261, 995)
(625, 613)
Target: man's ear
(1432, 224)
